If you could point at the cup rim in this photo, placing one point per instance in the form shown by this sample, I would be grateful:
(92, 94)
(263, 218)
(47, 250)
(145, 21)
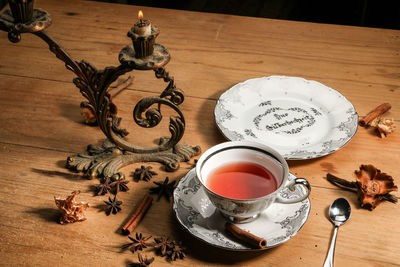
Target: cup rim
(242, 144)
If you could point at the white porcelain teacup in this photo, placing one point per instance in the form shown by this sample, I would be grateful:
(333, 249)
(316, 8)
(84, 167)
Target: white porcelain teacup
(245, 210)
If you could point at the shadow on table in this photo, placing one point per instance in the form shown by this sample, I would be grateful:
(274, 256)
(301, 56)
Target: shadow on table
(71, 112)
(298, 163)
(46, 214)
(207, 253)
(67, 175)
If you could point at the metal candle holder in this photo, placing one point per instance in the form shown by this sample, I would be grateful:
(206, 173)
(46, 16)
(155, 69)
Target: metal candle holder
(143, 54)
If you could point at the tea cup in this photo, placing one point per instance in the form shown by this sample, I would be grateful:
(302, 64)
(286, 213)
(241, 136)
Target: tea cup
(233, 152)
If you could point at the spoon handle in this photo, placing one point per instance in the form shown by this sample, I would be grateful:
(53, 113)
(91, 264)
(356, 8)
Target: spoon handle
(329, 257)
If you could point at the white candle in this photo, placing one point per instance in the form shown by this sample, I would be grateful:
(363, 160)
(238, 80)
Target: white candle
(143, 26)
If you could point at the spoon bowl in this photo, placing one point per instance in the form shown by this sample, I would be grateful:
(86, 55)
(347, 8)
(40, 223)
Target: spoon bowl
(339, 213)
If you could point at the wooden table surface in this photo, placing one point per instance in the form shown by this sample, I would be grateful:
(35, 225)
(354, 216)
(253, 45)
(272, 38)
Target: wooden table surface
(41, 126)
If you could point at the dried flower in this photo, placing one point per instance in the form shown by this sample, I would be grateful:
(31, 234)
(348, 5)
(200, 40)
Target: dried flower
(163, 244)
(373, 186)
(143, 173)
(104, 187)
(73, 211)
(163, 189)
(120, 185)
(143, 262)
(383, 126)
(176, 252)
(113, 205)
(138, 243)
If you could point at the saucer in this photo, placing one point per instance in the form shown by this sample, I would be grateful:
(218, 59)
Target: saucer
(301, 119)
(277, 224)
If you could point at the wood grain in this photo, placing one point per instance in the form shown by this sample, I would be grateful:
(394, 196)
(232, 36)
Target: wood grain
(41, 126)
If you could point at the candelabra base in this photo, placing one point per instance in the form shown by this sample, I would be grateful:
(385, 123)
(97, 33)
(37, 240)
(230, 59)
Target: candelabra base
(107, 159)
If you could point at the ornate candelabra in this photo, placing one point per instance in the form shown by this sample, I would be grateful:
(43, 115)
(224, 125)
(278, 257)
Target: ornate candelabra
(143, 54)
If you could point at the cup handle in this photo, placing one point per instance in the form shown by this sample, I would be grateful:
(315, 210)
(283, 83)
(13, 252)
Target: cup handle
(292, 186)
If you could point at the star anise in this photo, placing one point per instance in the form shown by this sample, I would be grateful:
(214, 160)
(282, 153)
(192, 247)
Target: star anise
(120, 185)
(143, 262)
(138, 243)
(113, 205)
(104, 187)
(163, 244)
(143, 173)
(176, 252)
(163, 189)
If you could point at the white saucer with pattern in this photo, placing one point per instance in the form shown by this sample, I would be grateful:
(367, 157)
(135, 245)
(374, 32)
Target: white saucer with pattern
(277, 224)
(299, 118)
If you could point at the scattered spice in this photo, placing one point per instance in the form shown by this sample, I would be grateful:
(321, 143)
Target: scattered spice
(104, 187)
(143, 262)
(342, 183)
(244, 236)
(176, 252)
(119, 185)
(143, 173)
(379, 110)
(166, 247)
(113, 205)
(372, 186)
(138, 214)
(163, 245)
(383, 126)
(72, 211)
(163, 189)
(138, 243)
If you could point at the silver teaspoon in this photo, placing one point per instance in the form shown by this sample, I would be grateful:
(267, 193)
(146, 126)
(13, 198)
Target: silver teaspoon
(339, 213)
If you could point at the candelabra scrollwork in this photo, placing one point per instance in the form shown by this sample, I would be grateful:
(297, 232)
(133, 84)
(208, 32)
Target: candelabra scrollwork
(116, 151)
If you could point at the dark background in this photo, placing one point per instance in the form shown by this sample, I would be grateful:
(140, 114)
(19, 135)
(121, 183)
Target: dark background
(364, 13)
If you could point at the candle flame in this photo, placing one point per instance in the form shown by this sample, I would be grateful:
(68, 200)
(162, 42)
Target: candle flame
(140, 14)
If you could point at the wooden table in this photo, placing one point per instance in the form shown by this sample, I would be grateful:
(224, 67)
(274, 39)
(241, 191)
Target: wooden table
(41, 126)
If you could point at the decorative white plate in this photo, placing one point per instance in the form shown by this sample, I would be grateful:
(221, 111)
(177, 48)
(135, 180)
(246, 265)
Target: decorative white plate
(276, 225)
(299, 118)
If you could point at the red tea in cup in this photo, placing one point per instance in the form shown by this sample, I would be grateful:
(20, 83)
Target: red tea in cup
(242, 180)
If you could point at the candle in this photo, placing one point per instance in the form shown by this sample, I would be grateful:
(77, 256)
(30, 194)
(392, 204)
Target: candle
(22, 10)
(143, 26)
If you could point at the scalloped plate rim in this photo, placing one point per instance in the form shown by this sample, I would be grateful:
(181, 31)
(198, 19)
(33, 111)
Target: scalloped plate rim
(287, 156)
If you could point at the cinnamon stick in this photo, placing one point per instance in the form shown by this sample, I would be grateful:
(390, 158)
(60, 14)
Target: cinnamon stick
(379, 110)
(138, 214)
(242, 235)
